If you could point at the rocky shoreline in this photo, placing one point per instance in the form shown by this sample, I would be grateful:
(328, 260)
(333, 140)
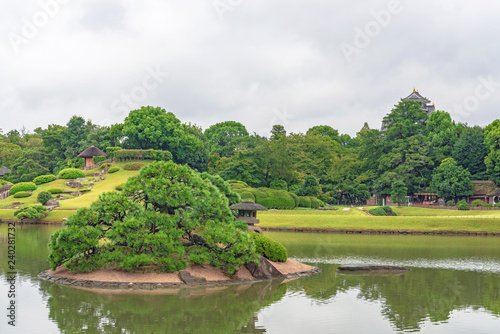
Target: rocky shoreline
(194, 276)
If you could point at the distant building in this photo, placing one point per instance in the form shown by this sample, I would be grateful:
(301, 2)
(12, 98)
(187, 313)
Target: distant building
(426, 103)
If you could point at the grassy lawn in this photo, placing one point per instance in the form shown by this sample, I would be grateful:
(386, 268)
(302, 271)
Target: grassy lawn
(69, 206)
(410, 211)
(442, 220)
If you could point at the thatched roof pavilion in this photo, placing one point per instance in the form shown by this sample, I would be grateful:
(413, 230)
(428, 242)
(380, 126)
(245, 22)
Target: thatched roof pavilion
(4, 170)
(89, 153)
(247, 212)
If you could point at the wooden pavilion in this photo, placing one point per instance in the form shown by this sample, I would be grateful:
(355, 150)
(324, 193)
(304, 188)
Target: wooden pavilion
(89, 155)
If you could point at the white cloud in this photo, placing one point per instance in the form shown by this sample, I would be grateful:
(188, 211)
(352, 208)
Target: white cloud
(263, 56)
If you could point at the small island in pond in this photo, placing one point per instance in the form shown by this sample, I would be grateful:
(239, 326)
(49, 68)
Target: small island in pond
(169, 226)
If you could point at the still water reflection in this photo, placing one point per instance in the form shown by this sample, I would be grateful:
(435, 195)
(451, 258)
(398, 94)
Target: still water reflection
(453, 287)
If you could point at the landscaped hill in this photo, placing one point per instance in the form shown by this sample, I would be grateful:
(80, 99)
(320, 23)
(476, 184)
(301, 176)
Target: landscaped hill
(69, 206)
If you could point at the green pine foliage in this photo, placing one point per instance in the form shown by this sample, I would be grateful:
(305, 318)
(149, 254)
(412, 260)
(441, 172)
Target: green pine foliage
(31, 212)
(22, 186)
(43, 197)
(167, 217)
(71, 173)
(269, 248)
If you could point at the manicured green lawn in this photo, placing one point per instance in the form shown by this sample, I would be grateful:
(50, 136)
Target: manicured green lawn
(474, 221)
(69, 206)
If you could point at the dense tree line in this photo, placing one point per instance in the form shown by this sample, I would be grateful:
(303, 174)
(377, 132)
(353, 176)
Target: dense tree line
(412, 151)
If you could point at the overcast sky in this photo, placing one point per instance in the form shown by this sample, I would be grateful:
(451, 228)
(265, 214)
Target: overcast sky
(258, 62)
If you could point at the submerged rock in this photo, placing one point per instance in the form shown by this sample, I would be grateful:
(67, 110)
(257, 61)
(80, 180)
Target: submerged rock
(370, 267)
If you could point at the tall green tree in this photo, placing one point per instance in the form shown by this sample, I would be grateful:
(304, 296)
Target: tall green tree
(450, 180)
(324, 130)
(492, 143)
(225, 137)
(404, 121)
(442, 135)
(399, 192)
(469, 151)
(155, 128)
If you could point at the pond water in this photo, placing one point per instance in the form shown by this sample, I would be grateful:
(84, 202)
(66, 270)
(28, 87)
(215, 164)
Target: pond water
(453, 287)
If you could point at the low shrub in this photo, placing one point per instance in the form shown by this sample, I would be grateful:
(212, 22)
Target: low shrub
(71, 173)
(22, 194)
(43, 197)
(120, 186)
(22, 186)
(84, 190)
(497, 205)
(488, 205)
(31, 212)
(104, 165)
(382, 211)
(269, 248)
(133, 166)
(54, 190)
(450, 203)
(113, 170)
(378, 211)
(388, 210)
(462, 205)
(4, 182)
(477, 203)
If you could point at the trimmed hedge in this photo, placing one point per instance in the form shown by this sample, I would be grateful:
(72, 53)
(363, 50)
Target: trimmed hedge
(269, 248)
(43, 197)
(450, 203)
(305, 202)
(44, 179)
(22, 194)
(22, 186)
(133, 166)
(104, 165)
(54, 190)
(71, 173)
(150, 154)
(113, 170)
(84, 190)
(120, 186)
(246, 195)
